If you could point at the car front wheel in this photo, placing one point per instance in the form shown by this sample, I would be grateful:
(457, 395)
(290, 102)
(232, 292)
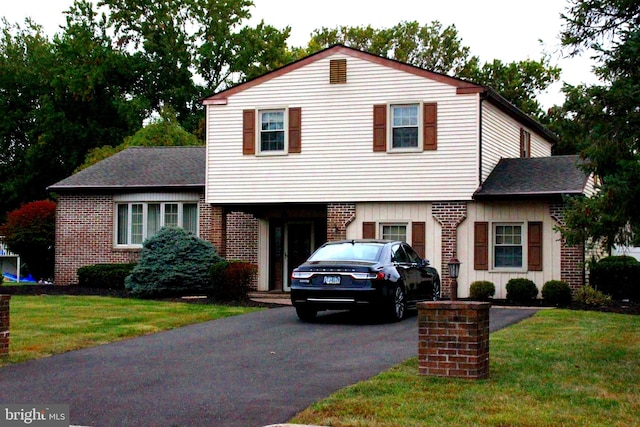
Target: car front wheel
(306, 314)
(397, 304)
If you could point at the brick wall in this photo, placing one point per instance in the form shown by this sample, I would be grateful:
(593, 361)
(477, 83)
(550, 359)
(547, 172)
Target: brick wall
(242, 237)
(572, 267)
(453, 339)
(84, 234)
(339, 216)
(450, 215)
(4, 324)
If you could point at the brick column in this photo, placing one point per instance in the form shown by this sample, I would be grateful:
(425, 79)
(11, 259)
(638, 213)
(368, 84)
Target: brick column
(572, 262)
(4, 324)
(339, 216)
(453, 339)
(450, 215)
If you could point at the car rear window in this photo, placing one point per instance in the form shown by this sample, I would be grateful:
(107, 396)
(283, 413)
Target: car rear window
(348, 252)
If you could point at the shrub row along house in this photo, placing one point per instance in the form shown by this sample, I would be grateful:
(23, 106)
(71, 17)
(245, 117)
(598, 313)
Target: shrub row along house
(341, 144)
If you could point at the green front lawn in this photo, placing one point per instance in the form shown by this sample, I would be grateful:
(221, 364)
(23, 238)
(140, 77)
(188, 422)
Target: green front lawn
(559, 368)
(46, 325)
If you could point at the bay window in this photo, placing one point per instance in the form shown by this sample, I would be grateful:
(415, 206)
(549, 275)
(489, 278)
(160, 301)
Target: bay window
(137, 221)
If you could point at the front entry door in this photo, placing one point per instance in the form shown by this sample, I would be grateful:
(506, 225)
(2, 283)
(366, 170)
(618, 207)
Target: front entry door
(299, 244)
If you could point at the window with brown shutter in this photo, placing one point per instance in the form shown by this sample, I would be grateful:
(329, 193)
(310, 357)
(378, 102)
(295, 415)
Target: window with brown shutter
(380, 127)
(418, 237)
(295, 126)
(525, 144)
(249, 132)
(368, 230)
(534, 249)
(481, 245)
(337, 71)
(430, 126)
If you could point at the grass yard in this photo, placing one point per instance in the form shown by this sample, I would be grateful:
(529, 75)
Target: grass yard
(45, 325)
(559, 368)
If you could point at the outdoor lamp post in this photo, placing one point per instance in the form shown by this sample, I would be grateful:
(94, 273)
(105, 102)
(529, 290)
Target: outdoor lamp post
(454, 271)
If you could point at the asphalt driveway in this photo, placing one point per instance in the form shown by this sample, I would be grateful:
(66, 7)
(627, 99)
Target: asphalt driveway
(249, 370)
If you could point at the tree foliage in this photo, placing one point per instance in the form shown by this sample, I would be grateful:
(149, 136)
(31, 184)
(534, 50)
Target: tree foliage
(30, 232)
(605, 120)
(162, 132)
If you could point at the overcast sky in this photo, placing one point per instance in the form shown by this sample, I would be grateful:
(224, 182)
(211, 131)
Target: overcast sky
(509, 30)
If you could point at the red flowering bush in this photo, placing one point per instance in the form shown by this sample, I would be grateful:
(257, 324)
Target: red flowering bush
(30, 233)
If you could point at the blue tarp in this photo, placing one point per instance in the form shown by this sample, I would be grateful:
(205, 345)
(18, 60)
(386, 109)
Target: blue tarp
(13, 278)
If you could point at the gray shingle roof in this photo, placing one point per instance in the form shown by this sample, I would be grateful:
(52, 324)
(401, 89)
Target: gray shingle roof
(135, 167)
(538, 176)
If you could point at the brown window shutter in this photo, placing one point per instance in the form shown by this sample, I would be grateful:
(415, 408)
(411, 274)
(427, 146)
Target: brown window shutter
(481, 245)
(249, 132)
(368, 230)
(430, 125)
(418, 237)
(534, 239)
(295, 126)
(380, 127)
(337, 71)
(521, 143)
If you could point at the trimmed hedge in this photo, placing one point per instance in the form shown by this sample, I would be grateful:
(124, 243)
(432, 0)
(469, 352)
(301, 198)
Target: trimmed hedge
(521, 291)
(482, 290)
(104, 276)
(231, 280)
(618, 276)
(557, 292)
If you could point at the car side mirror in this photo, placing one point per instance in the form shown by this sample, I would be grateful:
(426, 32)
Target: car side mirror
(425, 263)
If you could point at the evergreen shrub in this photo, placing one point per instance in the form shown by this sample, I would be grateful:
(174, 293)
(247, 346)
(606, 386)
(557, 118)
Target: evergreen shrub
(482, 290)
(104, 276)
(172, 263)
(618, 276)
(557, 292)
(521, 291)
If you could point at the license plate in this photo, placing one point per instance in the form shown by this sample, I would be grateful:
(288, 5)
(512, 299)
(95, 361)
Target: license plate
(331, 280)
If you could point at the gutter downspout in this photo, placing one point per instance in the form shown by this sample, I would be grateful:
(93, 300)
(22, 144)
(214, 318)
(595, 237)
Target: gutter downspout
(482, 97)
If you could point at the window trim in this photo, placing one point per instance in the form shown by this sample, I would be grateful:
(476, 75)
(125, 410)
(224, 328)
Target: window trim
(145, 219)
(258, 137)
(523, 244)
(390, 113)
(405, 224)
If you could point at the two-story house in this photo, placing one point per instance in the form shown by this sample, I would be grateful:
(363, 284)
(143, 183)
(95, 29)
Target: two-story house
(345, 144)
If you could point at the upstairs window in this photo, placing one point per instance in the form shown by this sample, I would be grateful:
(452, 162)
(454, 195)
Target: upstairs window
(272, 131)
(272, 127)
(405, 126)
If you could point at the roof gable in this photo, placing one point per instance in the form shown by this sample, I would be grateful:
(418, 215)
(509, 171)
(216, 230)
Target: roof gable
(461, 85)
(142, 167)
(534, 177)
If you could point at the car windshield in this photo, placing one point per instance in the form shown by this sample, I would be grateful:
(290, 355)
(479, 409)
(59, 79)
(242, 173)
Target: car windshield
(348, 252)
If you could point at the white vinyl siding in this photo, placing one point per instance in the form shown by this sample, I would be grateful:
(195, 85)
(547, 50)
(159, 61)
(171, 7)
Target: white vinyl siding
(399, 214)
(507, 213)
(501, 139)
(337, 161)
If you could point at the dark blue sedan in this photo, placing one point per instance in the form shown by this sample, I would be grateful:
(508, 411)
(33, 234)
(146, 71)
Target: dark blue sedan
(387, 277)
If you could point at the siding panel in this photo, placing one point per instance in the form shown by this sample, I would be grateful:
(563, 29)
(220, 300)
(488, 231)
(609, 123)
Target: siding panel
(337, 161)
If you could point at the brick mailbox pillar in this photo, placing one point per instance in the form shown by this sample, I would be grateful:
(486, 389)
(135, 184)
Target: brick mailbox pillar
(453, 339)
(4, 324)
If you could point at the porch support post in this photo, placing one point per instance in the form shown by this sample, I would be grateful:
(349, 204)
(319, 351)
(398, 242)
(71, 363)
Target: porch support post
(339, 216)
(450, 215)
